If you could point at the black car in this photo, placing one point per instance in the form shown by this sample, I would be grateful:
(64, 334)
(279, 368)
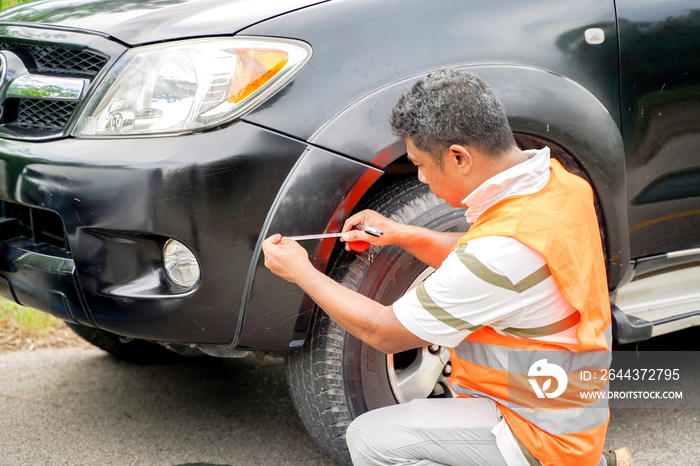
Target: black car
(147, 148)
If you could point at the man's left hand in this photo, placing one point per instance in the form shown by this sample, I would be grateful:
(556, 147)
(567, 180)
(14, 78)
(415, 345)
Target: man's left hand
(285, 258)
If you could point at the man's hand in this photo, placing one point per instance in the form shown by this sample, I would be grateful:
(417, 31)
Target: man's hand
(429, 247)
(370, 218)
(368, 320)
(285, 258)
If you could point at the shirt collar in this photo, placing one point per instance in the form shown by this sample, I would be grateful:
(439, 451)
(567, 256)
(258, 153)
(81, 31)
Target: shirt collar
(525, 178)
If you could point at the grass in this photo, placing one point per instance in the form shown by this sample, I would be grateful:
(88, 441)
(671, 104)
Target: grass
(6, 4)
(23, 328)
(27, 321)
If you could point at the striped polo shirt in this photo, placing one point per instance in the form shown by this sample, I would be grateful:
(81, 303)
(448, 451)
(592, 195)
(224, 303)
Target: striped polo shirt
(493, 281)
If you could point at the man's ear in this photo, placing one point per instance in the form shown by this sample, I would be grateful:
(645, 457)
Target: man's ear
(461, 158)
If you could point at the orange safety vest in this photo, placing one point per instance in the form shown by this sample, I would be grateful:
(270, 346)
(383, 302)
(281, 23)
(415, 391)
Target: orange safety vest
(559, 221)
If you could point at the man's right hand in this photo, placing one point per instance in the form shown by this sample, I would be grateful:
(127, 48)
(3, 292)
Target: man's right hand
(428, 246)
(370, 218)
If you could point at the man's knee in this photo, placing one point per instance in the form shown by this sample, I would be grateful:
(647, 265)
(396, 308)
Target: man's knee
(364, 446)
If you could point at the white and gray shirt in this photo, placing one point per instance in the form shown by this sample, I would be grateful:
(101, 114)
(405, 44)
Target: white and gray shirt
(494, 281)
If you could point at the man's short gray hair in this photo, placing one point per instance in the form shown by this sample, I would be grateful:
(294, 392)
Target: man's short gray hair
(452, 107)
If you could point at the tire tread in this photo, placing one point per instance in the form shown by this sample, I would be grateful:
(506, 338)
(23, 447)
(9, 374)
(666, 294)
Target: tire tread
(315, 373)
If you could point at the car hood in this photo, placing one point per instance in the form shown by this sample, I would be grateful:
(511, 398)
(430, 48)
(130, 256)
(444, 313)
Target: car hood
(137, 22)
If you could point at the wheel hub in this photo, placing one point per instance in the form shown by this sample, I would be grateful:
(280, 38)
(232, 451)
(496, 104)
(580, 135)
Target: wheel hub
(422, 372)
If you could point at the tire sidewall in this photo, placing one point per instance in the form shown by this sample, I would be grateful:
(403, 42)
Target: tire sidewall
(336, 377)
(385, 279)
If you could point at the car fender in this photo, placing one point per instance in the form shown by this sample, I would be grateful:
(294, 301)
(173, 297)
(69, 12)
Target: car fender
(347, 154)
(319, 193)
(539, 103)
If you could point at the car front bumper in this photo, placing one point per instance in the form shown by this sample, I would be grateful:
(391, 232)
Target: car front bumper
(84, 223)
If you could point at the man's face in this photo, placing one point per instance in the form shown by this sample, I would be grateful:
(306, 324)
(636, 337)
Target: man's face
(445, 183)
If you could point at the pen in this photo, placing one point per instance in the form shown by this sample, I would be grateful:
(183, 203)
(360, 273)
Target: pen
(354, 245)
(368, 230)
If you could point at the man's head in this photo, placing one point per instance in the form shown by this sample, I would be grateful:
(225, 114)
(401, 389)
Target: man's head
(456, 133)
(452, 107)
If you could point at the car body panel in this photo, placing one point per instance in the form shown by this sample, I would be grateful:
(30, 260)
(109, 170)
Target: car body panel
(385, 48)
(539, 104)
(660, 101)
(140, 22)
(302, 160)
(568, 67)
(120, 201)
(275, 306)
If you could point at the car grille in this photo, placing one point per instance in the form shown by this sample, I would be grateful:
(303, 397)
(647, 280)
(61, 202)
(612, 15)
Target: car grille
(44, 115)
(48, 59)
(41, 115)
(42, 228)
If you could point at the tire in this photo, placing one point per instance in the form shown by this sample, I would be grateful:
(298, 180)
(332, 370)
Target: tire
(335, 377)
(133, 351)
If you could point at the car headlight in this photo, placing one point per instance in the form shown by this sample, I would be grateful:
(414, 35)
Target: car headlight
(189, 85)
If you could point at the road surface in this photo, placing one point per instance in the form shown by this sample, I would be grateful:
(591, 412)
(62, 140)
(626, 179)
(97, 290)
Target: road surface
(83, 407)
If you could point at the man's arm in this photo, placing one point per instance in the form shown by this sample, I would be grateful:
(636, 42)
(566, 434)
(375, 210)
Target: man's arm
(428, 246)
(368, 320)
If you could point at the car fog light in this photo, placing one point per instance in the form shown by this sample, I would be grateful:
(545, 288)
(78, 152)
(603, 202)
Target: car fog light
(180, 264)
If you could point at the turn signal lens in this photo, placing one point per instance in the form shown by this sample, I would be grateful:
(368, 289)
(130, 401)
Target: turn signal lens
(254, 68)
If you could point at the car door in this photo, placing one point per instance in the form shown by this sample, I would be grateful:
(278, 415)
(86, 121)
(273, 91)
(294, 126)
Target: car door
(660, 117)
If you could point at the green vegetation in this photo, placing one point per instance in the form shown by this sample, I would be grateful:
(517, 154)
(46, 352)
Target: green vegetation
(5, 4)
(27, 321)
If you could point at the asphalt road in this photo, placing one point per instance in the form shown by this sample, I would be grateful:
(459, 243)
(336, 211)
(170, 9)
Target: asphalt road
(83, 407)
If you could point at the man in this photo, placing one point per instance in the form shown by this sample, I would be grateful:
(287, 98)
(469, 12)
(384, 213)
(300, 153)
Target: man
(523, 291)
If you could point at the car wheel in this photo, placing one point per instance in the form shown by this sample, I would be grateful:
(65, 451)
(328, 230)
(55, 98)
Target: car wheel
(134, 351)
(335, 377)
